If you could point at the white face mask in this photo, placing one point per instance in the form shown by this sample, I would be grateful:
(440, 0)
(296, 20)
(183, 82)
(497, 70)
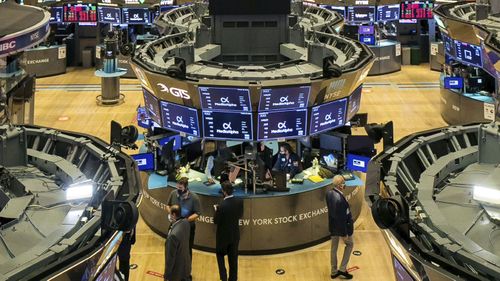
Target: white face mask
(170, 218)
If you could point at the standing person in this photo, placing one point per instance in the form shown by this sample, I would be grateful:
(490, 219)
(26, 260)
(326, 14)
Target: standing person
(124, 253)
(189, 204)
(227, 217)
(177, 259)
(340, 224)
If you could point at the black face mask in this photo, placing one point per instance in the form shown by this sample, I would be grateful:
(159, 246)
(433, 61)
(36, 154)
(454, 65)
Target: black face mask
(181, 192)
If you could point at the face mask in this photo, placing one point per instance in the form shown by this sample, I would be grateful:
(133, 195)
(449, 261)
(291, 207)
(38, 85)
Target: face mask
(170, 218)
(180, 192)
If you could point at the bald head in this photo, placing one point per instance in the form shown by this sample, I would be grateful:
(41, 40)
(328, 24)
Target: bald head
(338, 182)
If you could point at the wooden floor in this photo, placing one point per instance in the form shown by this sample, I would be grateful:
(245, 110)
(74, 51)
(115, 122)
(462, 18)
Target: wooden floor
(410, 98)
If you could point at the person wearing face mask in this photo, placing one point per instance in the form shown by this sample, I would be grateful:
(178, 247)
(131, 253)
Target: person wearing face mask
(189, 204)
(287, 161)
(227, 237)
(177, 259)
(340, 224)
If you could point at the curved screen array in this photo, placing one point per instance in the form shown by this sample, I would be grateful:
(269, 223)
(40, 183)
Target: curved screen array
(77, 12)
(226, 113)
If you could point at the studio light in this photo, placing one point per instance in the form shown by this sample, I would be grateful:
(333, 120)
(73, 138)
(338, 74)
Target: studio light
(386, 212)
(81, 190)
(490, 196)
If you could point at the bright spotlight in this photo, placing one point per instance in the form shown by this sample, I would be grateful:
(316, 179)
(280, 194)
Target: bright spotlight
(81, 190)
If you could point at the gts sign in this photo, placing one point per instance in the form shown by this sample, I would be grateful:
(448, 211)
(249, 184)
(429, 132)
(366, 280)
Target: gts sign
(176, 92)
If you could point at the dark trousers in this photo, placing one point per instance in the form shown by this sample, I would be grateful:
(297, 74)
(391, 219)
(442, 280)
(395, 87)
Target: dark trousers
(191, 239)
(231, 250)
(124, 258)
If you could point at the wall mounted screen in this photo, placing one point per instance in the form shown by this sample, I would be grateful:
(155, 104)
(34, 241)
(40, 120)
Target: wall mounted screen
(56, 14)
(282, 124)
(416, 10)
(328, 116)
(388, 12)
(354, 103)
(284, 98)
(135, 16)
(228, 125)
(109, 14)
(453, 83)
(79, 13)
(145, 161)
(218, 98)
(468, 53)
(361, 14)
(152, 105)
(180, 118)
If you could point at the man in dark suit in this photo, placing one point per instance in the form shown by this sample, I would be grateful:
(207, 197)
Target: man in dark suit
(227, 217)
(177, 258)
(340, 224)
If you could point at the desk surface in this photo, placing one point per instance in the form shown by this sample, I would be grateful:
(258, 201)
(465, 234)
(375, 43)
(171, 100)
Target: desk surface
(196, 185)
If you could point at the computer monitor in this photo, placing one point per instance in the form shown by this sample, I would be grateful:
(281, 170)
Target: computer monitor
(222, 125)
(367, 39)
(282, 124)
(361, 13)
(453, 83)
(366, 29)
(145, 161)
(180, 118)
(362, 145)
(330, 160)
(401, 272)
(225, 99)
(279, 179)
(416, 10)
(338, 9)
(388, 12)
(469, 53)
(331, 142)
(281, 98)
(108, 14)
(328, 116)
(56, 15)
(476, 83)
(177, 141)
(143, 119)
(79, 13)
(354, 103)
(357, 162)
(152, 105)
(136, 16)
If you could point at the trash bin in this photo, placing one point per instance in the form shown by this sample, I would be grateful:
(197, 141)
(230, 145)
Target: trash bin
(415, 55)
(406, 55)
(87, 57)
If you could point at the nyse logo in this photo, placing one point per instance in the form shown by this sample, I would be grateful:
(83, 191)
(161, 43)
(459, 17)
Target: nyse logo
(7, 46)
(284, 99)
(35, 36)
(358, 163)
(226, 126)
(176, 92)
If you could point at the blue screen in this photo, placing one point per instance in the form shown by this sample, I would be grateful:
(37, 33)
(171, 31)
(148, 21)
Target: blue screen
(354, 103)
(225, 98)
(180, 118)
(357, 162)
(468, 53)
(143, 117)
(109, 15)
(145, 161)
(388, 12)
(328, 116)
(152, 106)
(56, 14)
(367, 39)
(282, 124)
(227, 125)
(453, 83)
(135, 15)
(449, 46)
(177, 141)
(361, 13)
(366, 29)
(338, 9)
(284, 98)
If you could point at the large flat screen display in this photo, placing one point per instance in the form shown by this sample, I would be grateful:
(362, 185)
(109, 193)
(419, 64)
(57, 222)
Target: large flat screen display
(152, 105)
(56, 14)
(357, 163)
(135, 16)
(366, 29)
(354, 103)
(468, 53)
(328, 116)
(145, 161)
(282, 124)
(284, 98)
(218, 98)
(79, 13)
(367, 39)
(227, 125)
(338, 9)
(401, 272)
(416, 10)
(388, 12)
(109, 14)
(449, 45)
(361, 14)
(180, 118)
(453, 83)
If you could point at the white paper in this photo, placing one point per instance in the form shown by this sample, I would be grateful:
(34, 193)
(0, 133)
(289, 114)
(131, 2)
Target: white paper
(489, 111)
(98, 52)
(434, 49)
(61, 53)
(398, 50)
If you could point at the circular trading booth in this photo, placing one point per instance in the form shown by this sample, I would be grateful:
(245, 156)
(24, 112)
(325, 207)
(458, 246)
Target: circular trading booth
(298, 81)
(470, 73)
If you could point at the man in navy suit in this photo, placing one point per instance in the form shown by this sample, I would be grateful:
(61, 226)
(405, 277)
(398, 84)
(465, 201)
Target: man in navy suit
(227, 238)
(340, 224)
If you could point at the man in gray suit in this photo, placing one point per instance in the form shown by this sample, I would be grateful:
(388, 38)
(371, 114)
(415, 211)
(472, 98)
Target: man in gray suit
(340, 224)
(177, 258)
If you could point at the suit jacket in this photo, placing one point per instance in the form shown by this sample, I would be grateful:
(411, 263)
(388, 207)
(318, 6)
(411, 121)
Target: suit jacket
(227, 218)
(340, 221)
(290, 166)
(178, 260)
